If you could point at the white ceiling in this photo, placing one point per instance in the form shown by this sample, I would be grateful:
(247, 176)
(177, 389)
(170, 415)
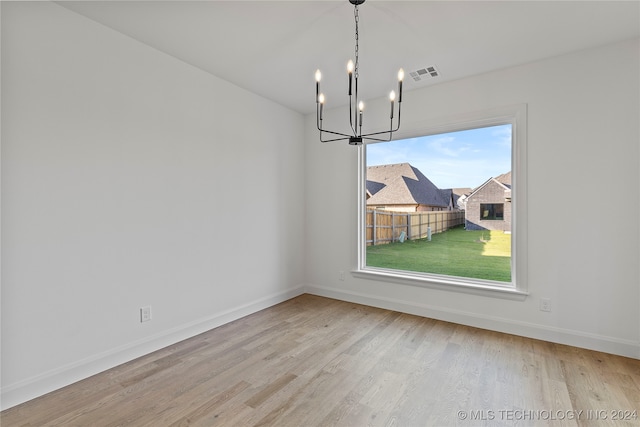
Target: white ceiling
(273, 48)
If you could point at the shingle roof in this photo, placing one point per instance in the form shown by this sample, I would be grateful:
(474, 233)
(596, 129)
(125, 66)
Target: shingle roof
(504, 179)
(374, 187)
(459, 192)
(402, 183)
(462, 191)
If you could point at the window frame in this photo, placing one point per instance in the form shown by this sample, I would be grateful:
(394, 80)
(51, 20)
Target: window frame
(494, 210)
(516, 115)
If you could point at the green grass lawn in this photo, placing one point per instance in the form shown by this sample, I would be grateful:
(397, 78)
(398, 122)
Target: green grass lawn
(457, 252)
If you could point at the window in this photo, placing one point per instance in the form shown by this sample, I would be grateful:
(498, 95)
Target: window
(444, 206)
(490, 211)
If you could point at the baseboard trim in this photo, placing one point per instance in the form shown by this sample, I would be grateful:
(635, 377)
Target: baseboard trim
(493, 323)
(55, 379)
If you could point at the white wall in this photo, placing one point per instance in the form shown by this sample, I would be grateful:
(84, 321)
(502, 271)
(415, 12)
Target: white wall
(583, 201)
(129, 179)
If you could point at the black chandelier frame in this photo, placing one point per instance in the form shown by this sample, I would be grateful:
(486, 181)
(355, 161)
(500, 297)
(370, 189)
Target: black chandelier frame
(356, 107)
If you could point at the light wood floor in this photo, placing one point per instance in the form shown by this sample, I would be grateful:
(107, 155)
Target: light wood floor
(314, 361)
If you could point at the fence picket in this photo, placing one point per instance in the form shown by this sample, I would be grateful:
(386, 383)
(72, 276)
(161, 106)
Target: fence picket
(386, 226)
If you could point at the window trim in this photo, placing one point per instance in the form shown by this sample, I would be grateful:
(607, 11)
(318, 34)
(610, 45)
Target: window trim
(516, 115)
(494, 218)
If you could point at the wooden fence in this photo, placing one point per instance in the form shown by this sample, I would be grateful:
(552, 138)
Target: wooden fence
(385, 226)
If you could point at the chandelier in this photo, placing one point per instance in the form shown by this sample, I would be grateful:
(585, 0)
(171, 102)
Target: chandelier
(356, 107)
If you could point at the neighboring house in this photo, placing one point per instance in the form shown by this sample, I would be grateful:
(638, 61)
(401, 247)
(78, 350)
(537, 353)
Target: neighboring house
(403, 188)
(460, 197)
(488, 207)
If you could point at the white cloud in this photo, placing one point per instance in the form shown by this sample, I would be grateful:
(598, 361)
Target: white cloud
(448, 146)
(460, 159)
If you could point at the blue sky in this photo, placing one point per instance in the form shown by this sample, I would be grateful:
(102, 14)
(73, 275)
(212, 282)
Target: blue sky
(451, 160)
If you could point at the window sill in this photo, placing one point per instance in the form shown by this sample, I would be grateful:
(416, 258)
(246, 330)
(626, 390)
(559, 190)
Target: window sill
(446, 283)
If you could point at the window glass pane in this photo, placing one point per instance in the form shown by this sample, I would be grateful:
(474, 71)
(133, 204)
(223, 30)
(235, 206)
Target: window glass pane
(492, 211)
(441, 204)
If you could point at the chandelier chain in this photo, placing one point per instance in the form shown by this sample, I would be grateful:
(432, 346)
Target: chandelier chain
(357, 19)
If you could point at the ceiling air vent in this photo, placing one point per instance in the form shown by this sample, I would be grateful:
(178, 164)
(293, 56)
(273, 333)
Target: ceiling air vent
(424, 73)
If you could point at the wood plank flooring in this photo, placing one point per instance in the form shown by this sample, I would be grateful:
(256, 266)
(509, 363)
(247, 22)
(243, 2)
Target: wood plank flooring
(313, 361)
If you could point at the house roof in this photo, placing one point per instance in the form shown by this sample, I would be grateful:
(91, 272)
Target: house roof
(401, 184)
(503, 180)
(374, 187)
(462, 191)
(459, 192)
(456, 193)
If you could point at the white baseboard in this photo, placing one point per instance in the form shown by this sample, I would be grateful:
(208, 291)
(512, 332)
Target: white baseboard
(39, 385)
(530, 330)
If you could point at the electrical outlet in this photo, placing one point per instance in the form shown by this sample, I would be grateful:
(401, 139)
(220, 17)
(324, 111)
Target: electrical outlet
(545, 304)
(341, 275)
(145, 314)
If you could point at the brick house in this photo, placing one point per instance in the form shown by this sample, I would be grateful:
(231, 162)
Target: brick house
(488, 207)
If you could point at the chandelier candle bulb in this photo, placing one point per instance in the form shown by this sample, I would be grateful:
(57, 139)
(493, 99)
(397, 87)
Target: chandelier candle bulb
(318, 78)
(350, 72)
(361, 108)
(400, 78)
(321, 101)
(392, 97)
